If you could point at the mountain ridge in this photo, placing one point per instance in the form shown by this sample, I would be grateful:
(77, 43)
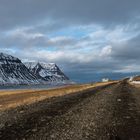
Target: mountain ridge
(14, 72)
(47, 71)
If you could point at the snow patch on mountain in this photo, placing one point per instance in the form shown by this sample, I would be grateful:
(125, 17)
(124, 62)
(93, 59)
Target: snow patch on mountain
(13, 71)
(47, 71)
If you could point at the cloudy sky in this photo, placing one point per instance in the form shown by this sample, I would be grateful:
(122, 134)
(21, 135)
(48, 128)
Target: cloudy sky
(81, 36)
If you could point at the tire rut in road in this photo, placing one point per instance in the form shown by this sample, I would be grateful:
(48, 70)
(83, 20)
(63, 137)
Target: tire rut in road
(28, 126)
(125, 116)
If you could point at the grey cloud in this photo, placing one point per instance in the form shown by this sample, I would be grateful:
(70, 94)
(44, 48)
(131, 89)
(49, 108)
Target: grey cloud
(25, 39)
(46, 27)
(129, 51)
(21, 13)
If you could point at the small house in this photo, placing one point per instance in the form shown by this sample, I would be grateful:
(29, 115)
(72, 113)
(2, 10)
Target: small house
(105, 80)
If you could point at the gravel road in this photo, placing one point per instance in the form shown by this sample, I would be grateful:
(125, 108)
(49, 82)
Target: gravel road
(105, 113)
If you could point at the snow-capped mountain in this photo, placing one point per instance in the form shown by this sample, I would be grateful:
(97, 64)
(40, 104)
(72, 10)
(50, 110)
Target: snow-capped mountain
(13, 71)
(47, 71)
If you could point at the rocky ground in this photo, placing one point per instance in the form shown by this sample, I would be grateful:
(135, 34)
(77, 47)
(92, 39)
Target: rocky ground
(110, 112)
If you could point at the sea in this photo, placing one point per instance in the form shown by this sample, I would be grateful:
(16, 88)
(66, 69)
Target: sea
(75, 78)
(97, 77)
(33, 87)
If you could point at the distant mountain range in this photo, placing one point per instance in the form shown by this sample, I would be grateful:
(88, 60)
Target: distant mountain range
(13, 71)
(46, 71)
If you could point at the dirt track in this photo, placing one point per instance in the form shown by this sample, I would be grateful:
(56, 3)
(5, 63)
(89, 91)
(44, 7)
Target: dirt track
(104, 113)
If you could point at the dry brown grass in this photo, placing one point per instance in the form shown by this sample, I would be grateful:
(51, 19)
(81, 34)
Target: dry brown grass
(12, 99)
(137, 78)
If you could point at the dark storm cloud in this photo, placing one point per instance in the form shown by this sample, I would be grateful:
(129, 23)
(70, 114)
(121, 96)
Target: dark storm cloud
(27, 12)
(130, 50)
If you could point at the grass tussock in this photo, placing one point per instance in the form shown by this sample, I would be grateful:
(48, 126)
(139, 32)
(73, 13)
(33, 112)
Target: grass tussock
(12, 99)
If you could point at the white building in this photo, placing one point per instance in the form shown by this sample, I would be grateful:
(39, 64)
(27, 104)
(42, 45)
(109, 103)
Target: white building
(131, 79)
(105, 80)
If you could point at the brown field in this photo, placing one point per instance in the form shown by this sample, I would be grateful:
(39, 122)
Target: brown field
(137, 78)
(12, 99)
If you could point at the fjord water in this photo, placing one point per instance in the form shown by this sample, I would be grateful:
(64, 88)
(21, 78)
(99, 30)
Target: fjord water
(23, 87)
(97, 77)
(80, 79)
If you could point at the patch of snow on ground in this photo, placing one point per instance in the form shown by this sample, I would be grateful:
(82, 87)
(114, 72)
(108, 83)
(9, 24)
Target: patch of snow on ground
(135, 82)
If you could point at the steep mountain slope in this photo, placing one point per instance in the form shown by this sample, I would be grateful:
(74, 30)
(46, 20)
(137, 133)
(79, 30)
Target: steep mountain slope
(13, 71)
(47, 71)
